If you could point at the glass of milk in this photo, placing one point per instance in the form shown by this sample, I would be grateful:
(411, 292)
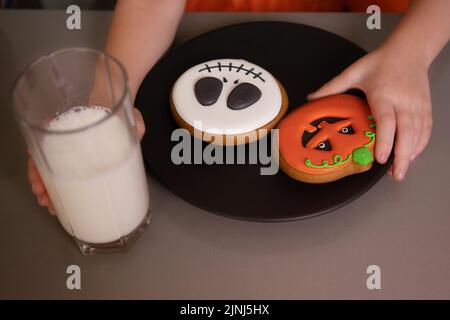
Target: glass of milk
(73, 107)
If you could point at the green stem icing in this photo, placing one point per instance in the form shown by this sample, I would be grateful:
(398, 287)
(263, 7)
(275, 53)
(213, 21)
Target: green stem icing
(372, 125)
(337, 159)
(362, 156)
(371, 135)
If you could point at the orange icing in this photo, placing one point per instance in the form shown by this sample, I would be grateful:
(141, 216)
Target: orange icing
(353, 110)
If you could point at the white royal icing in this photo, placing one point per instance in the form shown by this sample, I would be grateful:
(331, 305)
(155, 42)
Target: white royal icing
(218, 118)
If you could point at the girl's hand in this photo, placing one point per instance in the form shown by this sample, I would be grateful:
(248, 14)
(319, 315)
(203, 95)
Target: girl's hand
(37, 185)
(398, 93)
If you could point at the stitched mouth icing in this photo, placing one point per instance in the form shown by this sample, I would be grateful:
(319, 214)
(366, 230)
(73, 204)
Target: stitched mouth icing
(230, 66)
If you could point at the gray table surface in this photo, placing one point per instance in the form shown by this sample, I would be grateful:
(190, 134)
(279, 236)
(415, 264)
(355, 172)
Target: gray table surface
(189, 253)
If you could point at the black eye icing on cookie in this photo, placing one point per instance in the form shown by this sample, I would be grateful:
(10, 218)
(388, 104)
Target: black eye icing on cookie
(324, 146)
(347, 130)
(243, 96)
(207, 90)
(306, 136)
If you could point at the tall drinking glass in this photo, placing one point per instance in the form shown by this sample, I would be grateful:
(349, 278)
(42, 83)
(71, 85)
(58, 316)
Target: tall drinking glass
(73, 107)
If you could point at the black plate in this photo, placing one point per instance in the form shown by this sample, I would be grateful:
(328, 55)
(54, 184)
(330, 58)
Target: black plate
(302, 58)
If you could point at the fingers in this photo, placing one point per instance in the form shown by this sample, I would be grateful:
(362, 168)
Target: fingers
(383, 112)
(34, 178)
(417, 125)
(404, 145)
(389, 172)
(413, 128)
(43, 199)
(427, 124)
(140, 125)
(38, 187)
(342, 82)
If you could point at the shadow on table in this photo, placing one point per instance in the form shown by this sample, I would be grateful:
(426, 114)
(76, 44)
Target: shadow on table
(260, 239)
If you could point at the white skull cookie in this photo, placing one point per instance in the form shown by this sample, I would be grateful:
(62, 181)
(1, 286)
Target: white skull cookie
(228, 101)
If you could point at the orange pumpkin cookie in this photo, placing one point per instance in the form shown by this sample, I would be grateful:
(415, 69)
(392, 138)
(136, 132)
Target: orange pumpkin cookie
(327, 139)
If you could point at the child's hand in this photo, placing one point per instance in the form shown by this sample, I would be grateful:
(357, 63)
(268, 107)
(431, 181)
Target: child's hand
(397, 90)
(35, 179)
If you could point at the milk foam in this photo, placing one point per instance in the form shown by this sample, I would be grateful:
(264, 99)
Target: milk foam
(78, 117)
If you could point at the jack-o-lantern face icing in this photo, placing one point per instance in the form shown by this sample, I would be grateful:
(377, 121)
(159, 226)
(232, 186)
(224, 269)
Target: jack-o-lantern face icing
(325, 135)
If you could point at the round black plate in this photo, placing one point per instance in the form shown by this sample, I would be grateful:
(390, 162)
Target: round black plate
(302, 58)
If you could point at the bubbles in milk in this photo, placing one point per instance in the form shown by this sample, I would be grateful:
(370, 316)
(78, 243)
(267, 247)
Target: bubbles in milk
(78, 117)
(95, 175)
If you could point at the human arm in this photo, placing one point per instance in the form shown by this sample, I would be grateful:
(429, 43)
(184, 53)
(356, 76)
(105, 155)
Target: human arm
(140, 32)
(395, 80)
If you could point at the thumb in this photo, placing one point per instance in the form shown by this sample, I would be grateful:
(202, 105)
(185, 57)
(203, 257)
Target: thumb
(140, 125)
(342, 82)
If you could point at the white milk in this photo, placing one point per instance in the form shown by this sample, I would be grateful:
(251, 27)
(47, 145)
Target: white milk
(96, 180)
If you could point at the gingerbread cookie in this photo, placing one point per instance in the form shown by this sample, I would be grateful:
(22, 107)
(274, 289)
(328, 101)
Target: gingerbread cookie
(327, 139)
(227, 101)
